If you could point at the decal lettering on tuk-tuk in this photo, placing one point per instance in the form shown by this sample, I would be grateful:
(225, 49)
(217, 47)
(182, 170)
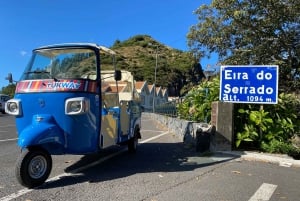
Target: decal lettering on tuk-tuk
(52, 86)
(64, 85)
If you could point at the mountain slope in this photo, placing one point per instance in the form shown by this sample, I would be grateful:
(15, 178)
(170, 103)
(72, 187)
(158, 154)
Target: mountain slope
(175, 68)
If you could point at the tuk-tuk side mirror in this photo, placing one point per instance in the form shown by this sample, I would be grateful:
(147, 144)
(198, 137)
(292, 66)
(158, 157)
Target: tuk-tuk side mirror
(118, 75)
(9, 78)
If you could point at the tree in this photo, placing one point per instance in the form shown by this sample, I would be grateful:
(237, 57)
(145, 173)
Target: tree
(9, 90)
(248, 32)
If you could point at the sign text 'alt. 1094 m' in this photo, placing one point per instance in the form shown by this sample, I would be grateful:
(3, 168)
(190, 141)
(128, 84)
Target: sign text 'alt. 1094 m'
(249, 84)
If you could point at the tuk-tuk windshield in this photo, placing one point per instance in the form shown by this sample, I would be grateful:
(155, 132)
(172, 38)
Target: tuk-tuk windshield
(70, 63)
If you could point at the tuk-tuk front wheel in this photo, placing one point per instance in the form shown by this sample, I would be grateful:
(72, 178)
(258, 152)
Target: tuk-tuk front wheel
(33, 167)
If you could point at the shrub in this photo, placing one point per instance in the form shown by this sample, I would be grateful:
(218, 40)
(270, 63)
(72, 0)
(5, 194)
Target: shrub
(275, 146)
(269, 128)
(272, 127)
(196, 105)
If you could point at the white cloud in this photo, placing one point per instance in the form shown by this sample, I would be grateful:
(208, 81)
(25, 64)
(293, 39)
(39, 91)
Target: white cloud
(23, 53)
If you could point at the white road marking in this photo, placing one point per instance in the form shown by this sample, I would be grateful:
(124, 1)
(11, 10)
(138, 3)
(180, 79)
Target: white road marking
(6, 140)
(264, 192)
(8, 125)
(151, 131)
(155, 137)
(16, 195)
(101, 160)
(25, 190)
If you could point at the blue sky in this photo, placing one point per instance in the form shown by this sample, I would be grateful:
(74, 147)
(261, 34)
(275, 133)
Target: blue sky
(29, 24)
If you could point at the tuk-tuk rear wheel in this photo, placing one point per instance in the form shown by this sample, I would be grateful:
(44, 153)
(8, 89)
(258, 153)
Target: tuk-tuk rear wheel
(133, 143)
(33, 167)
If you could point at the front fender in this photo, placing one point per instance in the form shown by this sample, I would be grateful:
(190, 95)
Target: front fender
(43, 132)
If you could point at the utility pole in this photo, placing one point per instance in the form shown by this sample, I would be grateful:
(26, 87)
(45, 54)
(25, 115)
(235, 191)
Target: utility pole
(156, 63)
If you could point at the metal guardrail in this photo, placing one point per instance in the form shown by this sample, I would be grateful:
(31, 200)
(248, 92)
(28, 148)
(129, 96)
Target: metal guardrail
(168, 109)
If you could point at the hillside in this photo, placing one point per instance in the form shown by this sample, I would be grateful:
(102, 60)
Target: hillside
(175, 68)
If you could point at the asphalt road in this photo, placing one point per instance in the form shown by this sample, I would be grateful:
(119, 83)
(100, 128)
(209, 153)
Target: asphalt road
(163, 169)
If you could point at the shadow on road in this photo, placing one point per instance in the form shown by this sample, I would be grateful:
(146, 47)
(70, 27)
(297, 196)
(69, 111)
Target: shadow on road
(150, 157)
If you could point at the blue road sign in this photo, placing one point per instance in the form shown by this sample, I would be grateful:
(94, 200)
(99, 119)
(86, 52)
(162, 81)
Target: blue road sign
(249, 84)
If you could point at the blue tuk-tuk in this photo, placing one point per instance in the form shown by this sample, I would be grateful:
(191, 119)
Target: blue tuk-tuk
(71, 99)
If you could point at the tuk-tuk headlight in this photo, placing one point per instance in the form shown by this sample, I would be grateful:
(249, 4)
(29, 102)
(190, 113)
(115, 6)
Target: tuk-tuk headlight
(79, 105)
(13, 107)
(75, 106)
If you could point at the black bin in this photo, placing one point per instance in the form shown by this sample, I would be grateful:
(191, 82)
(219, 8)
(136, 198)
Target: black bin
(202, 140)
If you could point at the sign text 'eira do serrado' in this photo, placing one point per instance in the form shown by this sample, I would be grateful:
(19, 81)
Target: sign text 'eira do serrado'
(249, 84)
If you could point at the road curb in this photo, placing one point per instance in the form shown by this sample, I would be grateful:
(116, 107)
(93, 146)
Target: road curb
(280, 159)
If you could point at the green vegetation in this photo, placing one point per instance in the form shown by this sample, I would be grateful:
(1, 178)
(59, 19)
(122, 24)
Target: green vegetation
(9, 90)
(271, 128)
(251, 32)
(175, 68)
(197, 103)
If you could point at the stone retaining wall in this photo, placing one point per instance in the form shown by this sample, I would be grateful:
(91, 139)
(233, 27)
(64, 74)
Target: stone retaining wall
(187, 131)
